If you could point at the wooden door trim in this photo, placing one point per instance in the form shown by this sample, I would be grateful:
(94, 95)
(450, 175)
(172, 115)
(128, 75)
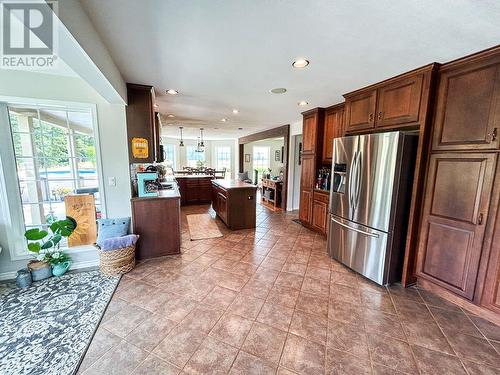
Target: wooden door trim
(281, 131)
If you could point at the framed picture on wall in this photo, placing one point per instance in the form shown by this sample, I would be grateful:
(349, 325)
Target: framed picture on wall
(277, 155)
(247, 158)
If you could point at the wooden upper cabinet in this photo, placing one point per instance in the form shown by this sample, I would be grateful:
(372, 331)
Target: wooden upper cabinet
(399, 102)
(312, 124)
(141, 120)
(360, 110)
(467, 115)
(334, 128)
(456, 208)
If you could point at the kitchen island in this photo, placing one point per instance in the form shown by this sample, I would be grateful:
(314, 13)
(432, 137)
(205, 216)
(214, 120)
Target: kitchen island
(194, 189)
(234, 203)
(157, 221)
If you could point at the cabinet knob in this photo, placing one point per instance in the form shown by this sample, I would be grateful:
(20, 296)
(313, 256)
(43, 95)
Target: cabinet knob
(493, 135)
(480, 219)
(370, 117)
(380, 115)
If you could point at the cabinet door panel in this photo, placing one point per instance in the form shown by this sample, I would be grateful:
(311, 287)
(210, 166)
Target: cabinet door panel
(334, 119)
(360, 111)
(468, 109)
(399, 102)
(455, 210)
(308, 172)
(305, 206)
(309, 134)
(319, 215)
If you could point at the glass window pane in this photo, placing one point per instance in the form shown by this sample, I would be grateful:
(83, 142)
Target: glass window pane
(55, 156)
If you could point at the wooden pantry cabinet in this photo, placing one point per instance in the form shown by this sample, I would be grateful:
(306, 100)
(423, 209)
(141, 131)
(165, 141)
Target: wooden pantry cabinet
(458, 251)
(397, 102)
(320, 127)
(457, 200)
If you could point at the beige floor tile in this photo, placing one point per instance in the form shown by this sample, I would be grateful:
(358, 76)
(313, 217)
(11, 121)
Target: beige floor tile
(265, 342)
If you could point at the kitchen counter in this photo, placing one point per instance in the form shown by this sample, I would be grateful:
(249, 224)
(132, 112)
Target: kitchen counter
(234, 203)
(162, 194)
(233, 184)
(192, 176)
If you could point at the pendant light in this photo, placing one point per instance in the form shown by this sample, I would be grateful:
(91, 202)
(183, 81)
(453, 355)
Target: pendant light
(198, 147)
(181, 142)
(202, 144)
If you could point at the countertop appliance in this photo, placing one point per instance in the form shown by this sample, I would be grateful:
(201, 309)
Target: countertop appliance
(147, 184)
(369, 202)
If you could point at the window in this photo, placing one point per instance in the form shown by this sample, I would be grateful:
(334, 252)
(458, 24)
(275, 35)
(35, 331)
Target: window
(223, 158)
(55, 154)
(169, 155)
(193, 158)
(261, 161)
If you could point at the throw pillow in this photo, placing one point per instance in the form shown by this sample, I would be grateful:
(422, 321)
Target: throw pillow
(243, 176)
(110, 228)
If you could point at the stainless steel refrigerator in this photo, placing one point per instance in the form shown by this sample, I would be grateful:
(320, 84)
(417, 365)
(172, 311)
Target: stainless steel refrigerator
(369, 202)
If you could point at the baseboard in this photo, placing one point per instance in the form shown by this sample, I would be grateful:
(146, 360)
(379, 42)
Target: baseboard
(75, 266)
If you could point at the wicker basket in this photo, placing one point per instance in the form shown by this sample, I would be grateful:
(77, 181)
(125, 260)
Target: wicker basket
(116, 262)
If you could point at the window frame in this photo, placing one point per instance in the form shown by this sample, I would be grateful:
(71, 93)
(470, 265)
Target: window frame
(229, 160)
(11, 193)
(204, 159)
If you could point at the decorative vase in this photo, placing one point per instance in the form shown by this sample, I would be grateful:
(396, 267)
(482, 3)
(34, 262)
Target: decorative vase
(60, 268)
(40, 270)
(23, 278)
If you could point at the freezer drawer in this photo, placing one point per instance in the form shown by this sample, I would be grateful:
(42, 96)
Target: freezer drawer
(358, 247)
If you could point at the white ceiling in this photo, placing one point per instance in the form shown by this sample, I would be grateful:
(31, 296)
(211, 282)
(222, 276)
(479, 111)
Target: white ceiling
(225, 54)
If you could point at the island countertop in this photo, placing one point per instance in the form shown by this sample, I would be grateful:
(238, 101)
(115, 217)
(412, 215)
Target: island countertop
(233, 184)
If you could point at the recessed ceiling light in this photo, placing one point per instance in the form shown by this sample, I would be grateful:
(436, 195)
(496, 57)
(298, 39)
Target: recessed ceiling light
(170, 115)
(223, 119)
(302, 103)
(300, 63)
(235, 111)
(278, 90)
(172, 92)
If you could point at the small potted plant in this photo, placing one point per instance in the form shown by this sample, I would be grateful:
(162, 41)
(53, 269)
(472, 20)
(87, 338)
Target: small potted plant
(50, 259)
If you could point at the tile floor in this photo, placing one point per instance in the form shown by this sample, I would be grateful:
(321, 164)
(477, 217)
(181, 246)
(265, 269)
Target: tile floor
(270, 301)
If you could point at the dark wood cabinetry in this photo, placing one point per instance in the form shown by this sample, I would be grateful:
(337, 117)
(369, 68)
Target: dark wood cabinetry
(455, 212)
(468, 106)
(234, 203)
(458, 252)
(320, 211)
(360, 110)
(195, 189)
(397, 102)
(311, 135)
(142, 122)
(320, 127)
(334, 128)
(157, 220)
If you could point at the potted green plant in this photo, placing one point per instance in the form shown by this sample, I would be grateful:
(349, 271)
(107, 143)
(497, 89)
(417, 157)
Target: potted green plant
(50, 258)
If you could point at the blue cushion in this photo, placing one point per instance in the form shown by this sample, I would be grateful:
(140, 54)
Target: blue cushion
(110, 228)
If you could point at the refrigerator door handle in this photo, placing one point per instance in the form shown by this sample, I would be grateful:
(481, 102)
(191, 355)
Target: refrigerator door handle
(374, 235)
(351, 179)
(358, 179)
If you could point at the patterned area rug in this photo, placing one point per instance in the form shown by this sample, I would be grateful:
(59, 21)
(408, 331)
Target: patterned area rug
(202, 226)
(47, 328)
